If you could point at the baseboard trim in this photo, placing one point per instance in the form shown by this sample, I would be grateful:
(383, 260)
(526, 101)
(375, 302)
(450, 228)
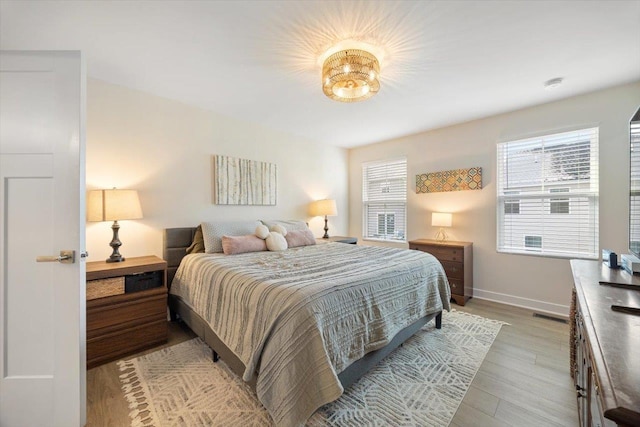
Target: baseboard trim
(528, 303)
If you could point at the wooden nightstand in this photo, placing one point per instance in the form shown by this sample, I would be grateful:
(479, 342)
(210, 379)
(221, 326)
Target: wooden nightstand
(126, 307)
(457, 260)
(340, 239)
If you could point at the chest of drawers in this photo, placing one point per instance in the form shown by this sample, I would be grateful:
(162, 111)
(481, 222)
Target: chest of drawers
(457, 260)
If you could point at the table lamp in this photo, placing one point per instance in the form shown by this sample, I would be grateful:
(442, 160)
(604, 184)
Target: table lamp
(325, 207)
(113, 205)
(441, 219)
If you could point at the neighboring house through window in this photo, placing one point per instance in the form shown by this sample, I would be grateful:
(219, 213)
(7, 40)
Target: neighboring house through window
(547, 198)
(384, 200)
(533, 242)
(559, 205)
(511, 206)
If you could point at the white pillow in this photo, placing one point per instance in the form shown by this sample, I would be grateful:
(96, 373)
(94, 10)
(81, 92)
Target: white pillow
(279, 229)
(213, 231)
(276, 242)
(262, 231)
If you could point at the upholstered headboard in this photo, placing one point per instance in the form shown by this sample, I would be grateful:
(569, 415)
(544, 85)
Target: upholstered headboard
(174, 247)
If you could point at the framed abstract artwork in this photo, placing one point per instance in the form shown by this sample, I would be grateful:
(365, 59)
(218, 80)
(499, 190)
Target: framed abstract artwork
(244, 182)
(453, 180)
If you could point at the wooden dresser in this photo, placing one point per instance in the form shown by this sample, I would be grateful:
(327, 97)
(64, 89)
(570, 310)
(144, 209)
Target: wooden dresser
(605, 356)
(457, 260)
(126, 307)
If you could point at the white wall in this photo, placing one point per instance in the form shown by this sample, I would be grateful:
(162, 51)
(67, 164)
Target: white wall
(540, 283)
(164, 149)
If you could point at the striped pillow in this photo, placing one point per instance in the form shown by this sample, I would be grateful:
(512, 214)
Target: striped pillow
(214, 230)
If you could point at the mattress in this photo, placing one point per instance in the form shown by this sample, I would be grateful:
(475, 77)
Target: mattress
(297, 318)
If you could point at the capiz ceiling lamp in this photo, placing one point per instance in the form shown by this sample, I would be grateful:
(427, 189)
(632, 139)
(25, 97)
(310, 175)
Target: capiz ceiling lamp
(350, 75)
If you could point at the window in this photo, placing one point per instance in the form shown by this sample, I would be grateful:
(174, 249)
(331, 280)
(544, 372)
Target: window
(511, 206)
(384, 200)
(559, 206)
(386, 224)
(533, 242)
(551, 182)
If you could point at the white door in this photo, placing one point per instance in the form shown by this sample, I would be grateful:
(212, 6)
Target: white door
(42, 319)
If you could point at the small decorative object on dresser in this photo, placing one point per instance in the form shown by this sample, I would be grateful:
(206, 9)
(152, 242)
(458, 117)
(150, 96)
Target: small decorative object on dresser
(126, 307)
(457, 260)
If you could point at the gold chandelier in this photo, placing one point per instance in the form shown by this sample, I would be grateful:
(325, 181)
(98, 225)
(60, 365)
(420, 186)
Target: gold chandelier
(350, 75)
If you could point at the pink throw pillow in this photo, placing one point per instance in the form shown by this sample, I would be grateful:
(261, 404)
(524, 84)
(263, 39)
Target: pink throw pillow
(297, 238)
(232, 245)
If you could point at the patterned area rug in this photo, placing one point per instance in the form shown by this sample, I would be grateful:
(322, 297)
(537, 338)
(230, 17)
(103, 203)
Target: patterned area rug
(420, 384)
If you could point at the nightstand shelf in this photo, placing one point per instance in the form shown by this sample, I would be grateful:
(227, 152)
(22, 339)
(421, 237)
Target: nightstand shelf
(120, 322)
(457, 260)
(340, 239)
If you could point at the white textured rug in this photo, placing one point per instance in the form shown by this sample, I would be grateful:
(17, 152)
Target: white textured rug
(420, 384)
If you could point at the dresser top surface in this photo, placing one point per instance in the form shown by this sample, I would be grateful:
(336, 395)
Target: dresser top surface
(617, 335)
(444, 243)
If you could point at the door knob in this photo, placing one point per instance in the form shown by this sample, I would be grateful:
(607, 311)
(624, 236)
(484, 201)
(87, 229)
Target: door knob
(65, 257)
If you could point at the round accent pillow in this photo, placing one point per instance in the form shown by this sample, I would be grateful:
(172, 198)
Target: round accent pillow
(262, 231)
(279, 229)
(276, 242)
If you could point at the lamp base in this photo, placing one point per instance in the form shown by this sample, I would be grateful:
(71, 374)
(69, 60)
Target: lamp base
(326, 228)
(441, 236)
(115, 244)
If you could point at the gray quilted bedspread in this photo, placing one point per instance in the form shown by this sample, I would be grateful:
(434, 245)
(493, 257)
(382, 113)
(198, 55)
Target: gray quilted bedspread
(300, 316)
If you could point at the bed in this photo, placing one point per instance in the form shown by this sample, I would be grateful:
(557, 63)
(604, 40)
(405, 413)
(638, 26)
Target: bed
(328, 313)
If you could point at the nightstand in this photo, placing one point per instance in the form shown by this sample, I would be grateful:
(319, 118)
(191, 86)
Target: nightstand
(126, 307)
(457, 260)
(340, 239)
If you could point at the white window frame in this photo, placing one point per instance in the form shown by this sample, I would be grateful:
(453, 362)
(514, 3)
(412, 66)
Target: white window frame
(396, 200)
(561, 161)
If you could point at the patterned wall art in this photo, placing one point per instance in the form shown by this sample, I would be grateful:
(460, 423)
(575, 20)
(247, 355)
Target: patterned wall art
(244, 182)
(453, 180)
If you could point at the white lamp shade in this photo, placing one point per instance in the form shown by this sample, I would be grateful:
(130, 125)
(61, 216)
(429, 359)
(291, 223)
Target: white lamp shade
(113, 205)
(323, 207)
(441, 219)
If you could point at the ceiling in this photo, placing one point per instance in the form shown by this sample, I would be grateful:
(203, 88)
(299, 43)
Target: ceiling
(444, 62)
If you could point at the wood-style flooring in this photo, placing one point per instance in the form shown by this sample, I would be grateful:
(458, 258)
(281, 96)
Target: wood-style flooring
(523, 381)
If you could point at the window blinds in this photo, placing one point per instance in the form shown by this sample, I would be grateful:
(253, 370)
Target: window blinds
(384, 199)
(547, 200)
(634, 194)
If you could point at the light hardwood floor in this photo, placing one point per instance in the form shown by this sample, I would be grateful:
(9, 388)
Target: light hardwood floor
(523, 381)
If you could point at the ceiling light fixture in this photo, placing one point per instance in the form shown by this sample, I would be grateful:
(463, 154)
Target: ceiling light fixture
(350, 75)
(553, 83)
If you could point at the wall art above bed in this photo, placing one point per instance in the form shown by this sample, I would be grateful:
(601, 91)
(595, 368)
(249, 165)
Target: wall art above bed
(453, 180)
(244, 182)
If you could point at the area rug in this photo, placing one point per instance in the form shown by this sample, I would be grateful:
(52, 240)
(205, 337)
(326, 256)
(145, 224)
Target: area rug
(421, 383)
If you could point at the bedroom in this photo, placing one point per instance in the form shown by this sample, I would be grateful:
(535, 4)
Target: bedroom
(143, 136)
